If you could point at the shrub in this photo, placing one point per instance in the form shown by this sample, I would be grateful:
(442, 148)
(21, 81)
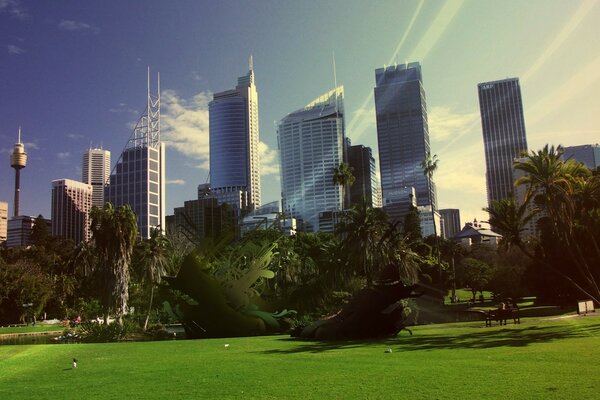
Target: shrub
(92, 332)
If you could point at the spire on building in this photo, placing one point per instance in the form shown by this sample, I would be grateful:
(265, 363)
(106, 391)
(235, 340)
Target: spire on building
(18, 161)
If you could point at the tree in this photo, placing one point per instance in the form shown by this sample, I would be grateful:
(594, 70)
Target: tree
(451, 251)
(430, 165)
(342, 176)
(475, 274)
(39, 231)
(152, 257)
(114, 231)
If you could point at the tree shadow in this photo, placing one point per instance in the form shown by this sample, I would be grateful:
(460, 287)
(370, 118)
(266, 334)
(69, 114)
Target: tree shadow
(484, 339)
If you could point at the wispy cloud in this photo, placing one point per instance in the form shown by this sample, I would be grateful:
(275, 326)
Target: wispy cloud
(269, 160)
(31, 146)
(185, 125)
(175, 182)
(63, 155)
(72, 26)
(74, 136)
(122, 108)
(14, 49)
(445, 123)
(13, 8)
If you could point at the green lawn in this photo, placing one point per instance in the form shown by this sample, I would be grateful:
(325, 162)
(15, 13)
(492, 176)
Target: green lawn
(28, 329)
(539, 359)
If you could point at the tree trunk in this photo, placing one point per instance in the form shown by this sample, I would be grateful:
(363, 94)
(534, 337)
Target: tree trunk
(149, 308)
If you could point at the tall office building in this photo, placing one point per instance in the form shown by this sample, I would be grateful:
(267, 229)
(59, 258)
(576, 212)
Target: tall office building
(402, 131)
(311, 146)
(95, 172)
(71, 206)
(234, 139)
(451, 222)
(366, 184)
(138, 178)
(588, 154)
(3, 221)
(504, 138)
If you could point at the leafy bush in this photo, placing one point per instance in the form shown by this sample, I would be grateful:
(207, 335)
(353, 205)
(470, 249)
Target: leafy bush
(93, 332)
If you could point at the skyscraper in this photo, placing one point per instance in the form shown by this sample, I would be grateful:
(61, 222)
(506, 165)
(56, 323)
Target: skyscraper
(71, 206)
(366, 184)
(311, 146)
(3, 221)
(588, 154)
(451, 224)
(234, 139)
(138, 178)
(402, 131)
(504, 137)
(95, 172)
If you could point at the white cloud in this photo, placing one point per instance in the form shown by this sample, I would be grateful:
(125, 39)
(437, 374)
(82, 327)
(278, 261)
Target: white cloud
(63, 155)
(269, 160)
(175, 182)
(444, 123)
(14, 8)
(122, 108)
(74, 136)
(184, 125)
(69, 25)
(31, 146)
(14, 49)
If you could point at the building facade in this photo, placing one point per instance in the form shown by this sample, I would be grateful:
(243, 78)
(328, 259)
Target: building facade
(138, 178)
(71, 206)
(95, 171)
(588, 154)
(402, 131)
(311, 146)
(450, 222)
(504, 137)
(234, 140)
(366, 184)
(20, 228)
(3, 221)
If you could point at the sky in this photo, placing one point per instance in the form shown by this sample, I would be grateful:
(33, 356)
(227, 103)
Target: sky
(73, 75)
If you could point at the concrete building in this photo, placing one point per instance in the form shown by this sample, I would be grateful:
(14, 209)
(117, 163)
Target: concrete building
(3, 221)
(428, 221)
(201, 218)
(504, 138)
(234, 140)
(95, 171)
(402, 131)
(311, 146)
(588, 154)
(19, 230)
(366, 184)
(398, 204)
(268, 216)
(138, 178)
(475, 233)
(450, 222)
(71, 206)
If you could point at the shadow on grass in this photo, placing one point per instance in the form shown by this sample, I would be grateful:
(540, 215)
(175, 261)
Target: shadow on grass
(484, 339)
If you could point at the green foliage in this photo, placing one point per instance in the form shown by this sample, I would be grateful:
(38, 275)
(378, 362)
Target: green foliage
(93, 332)
(475, 274)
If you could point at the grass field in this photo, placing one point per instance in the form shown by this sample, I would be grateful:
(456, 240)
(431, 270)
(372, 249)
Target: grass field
(29, 329)
(539, 359)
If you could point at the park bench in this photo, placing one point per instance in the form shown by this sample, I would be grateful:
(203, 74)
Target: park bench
(502, 315)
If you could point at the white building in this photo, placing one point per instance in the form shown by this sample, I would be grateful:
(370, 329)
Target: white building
(71, 206)
(311, 146)
(3, 221)
(95, 172)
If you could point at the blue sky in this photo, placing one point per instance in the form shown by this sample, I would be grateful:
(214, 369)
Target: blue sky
(73, 74)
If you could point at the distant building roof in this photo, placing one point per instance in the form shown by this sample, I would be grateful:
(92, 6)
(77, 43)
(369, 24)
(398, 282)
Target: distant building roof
(474, 230)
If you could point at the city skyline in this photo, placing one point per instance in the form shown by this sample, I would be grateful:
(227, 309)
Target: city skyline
(72, 78)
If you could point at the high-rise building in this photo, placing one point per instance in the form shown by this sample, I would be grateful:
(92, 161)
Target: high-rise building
(138, 178)
(234, 139)
(451, 222)
(20, 228)
(402, 131)
(71, 206)
(588, 154)
(201, 218)
(530, 229)
(18, 161)
(95, 172)
(3, 221)
(504, 137)
(311, 146)
(366, 184)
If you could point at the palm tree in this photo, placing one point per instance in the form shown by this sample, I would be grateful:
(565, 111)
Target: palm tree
(342, 176)
(114, 231)
(152, 260)
(429, 166)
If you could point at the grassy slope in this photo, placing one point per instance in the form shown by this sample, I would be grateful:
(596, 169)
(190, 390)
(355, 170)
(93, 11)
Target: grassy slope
(28, 329)
(537, 359)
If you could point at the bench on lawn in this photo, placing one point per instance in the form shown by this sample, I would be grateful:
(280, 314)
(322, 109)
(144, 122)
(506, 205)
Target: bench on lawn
(501, 315)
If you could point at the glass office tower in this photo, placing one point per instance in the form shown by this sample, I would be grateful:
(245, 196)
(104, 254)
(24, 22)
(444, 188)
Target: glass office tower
(504, 137)
(311, 146)
(234, 139)
(402, 131)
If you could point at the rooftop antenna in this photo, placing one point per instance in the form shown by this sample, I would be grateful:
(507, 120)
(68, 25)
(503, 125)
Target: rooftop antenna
(19, 138)
(335, 83)
(251, 63)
